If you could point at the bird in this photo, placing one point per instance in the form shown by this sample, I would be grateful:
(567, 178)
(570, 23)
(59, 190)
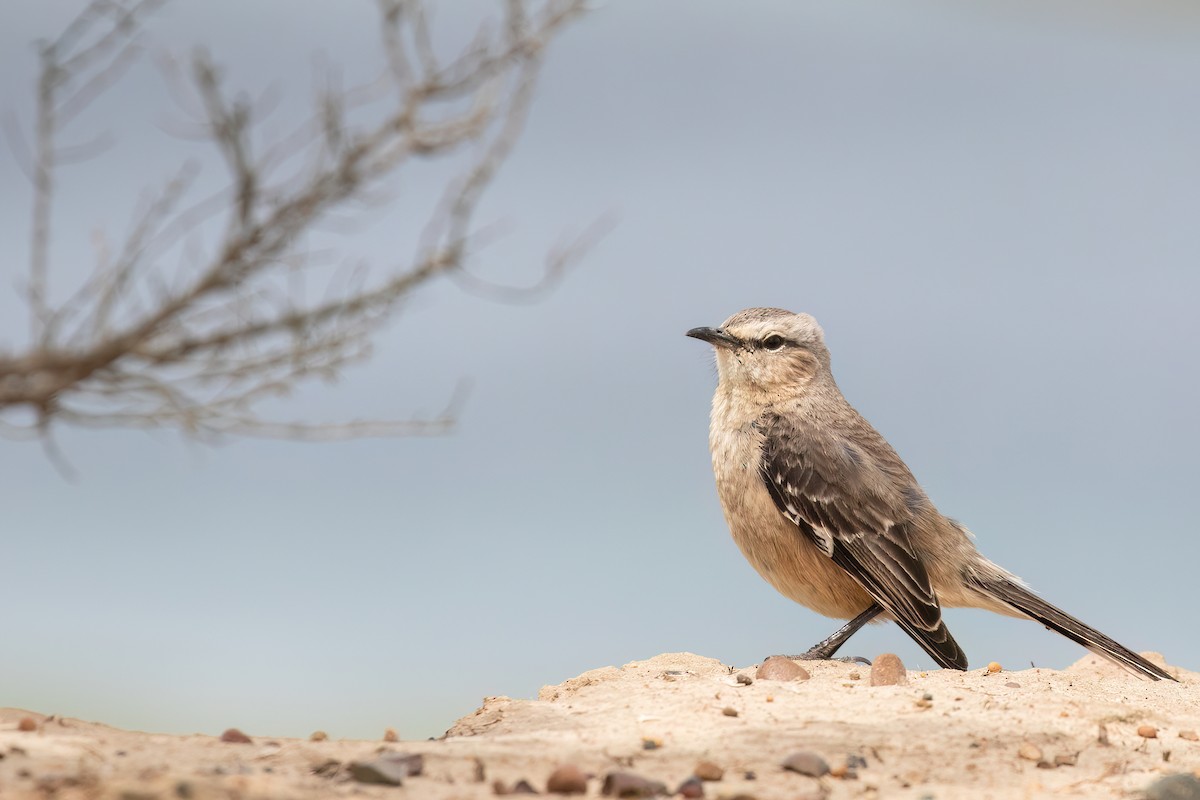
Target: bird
(829, 514)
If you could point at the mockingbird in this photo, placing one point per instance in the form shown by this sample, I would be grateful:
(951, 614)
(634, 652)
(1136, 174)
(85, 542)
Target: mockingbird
(824, 509)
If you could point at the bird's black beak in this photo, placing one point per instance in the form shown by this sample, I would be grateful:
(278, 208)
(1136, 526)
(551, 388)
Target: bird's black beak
(714, 336)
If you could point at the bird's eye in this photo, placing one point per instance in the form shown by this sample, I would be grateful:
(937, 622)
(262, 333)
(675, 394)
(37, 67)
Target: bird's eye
(773, 342)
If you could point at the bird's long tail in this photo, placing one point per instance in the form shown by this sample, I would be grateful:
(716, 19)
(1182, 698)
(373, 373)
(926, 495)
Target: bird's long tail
(1023, 600)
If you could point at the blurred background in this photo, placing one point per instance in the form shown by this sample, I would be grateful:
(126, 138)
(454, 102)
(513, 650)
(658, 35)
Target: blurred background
(990, 208)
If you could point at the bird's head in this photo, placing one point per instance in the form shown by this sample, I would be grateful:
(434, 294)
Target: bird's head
(768, 350)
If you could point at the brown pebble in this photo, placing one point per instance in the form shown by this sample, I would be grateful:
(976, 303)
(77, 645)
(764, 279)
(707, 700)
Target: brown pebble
(27, 724)
(523, 787)
(729, 711)
(778, 668)
(744, 679)
(1046, 765)
(1030, 751)
(1191, 736)
(629, 784)
(1102, 735)
(318, 736)
(993, 667)
(806, 763)
(650, 743)
(1066, 759)
(888, 670)
(390, 735)
(567, 779)
(1013, 685)
(500, 787)
(1147, 731)
(235, 736)
(692, 788)
(708, 771)
(855, 676)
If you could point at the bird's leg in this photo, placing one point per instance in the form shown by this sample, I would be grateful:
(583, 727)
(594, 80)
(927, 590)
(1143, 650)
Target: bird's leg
(824, 650)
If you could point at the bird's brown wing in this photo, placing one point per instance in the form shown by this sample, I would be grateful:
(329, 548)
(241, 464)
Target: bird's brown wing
(851, 510)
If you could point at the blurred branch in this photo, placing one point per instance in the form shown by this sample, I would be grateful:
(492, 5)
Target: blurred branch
(199, 351)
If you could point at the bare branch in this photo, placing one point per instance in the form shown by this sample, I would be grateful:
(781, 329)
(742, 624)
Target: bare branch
(200, 348)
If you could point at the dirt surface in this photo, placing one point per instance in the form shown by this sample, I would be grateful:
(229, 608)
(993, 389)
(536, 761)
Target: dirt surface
(1027, 734)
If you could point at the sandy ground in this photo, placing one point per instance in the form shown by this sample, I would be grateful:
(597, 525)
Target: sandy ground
(943, 735)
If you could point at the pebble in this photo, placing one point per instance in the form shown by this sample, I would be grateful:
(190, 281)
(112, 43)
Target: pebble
(523, 787)
(628, 784)
(27, 724)
(235, 736)
(318, 736)
(389, 769)
(729, 711)
(691, 788)
(744, 679)
(1030, 752)
(855, 676)
(806, 763)
(888, 670)
(567, 779)
(378, 772)
(390, 735)
(1102, 734)
(1066, 759)
(778, 668)
(993, 667)
(1147, 731)
(708, 771)
(1174, 787)
(1191, 736)
(1013, 685)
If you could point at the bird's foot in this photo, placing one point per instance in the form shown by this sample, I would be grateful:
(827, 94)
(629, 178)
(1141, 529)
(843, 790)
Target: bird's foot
(817, 654)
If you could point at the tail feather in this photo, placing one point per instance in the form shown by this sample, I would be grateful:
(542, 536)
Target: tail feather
(1023, 600)
(938, 643)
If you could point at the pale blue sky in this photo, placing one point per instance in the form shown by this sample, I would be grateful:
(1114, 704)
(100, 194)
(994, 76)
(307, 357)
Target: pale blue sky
(991, 208)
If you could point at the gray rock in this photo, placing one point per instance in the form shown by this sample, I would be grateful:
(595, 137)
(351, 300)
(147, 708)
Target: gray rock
(1174, 787)
(806, 763)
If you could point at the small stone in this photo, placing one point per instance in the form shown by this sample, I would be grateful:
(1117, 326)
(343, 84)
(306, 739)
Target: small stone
(1013, 685)
(843, 771)
(318, 736)
(390, 735)
(567, 779)
(888, 670)
(806, 763)
(27, 724)
(650, 743)
(1174, 787)
(749, 775)
(693, 787)
(1102, 735)
(234, 736)
(708, 771)
(1030, 751)
(729, 711)
(855, 676)
(1147, 731)
(500, 787)
(993, 667)
(1046, 765)
(778, 668)
(1191, 736)
(744, 679)
(1066, 759)
(378, 772)
(629, 784)
(523, 787)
